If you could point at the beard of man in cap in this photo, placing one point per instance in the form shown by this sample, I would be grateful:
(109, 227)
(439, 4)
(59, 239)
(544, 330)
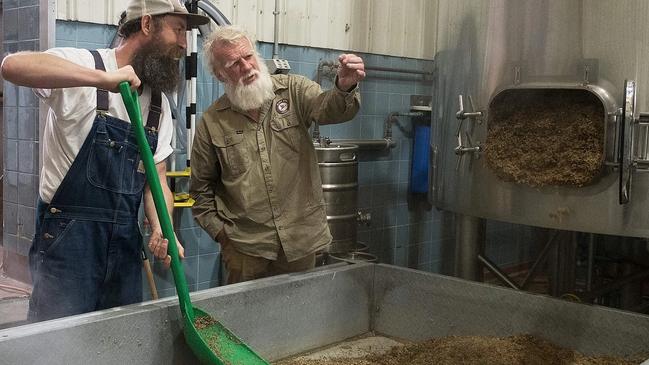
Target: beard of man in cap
(82, 116)
(164, 23)
(158, 64)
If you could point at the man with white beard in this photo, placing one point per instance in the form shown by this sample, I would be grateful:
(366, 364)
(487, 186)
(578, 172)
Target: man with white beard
(254, 174)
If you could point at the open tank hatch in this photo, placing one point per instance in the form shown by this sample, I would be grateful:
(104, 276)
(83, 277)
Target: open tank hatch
(546, 137)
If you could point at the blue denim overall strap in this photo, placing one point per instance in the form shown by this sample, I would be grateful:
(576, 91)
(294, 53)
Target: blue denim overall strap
(86, 253)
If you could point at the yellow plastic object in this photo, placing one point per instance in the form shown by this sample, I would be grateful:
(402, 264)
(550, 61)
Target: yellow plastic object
(181, 200)
(181, 197)
(184, 203)
(184, 173)
(571, 297)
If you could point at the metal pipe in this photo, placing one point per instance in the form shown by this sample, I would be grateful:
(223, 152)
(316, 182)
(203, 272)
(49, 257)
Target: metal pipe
(321, 67)
(368, 144)
(318, 80)
(539, 260)
(381, 144)
(630, 293)
(392, 118)
(381, 69)
(387, 129)
(213, 12)
(470, 236)
(591, 261)
(409, 114)
(276, 30)
(398, 70)
(562, 268)
(493, 268)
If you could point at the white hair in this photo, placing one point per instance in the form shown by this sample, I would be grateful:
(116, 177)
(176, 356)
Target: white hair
(229, 34)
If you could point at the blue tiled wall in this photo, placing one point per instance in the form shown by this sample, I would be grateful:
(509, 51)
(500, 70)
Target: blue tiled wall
(404, 231)
(20, 132)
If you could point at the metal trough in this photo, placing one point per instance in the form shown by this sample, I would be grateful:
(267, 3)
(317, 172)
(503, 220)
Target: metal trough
(291, 314)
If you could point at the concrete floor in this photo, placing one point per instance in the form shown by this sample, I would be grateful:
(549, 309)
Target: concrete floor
(14, 299)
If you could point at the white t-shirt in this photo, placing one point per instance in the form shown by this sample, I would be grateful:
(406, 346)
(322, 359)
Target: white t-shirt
(72, 113)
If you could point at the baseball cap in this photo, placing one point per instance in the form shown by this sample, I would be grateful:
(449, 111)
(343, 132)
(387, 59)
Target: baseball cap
(139, 8)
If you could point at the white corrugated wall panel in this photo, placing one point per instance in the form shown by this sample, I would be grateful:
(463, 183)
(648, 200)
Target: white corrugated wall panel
(398, 28)
(379, 26)
(266, 20)
(316, 23)
(318, 17)
(428, 40)
(225, 6)
(295, 22)
(360, 25)
(397, 22)
(340, 24)
(93, 11)
(246, 13)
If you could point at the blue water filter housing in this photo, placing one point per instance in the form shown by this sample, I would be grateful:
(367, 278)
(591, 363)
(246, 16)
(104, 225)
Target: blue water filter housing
(420, 157)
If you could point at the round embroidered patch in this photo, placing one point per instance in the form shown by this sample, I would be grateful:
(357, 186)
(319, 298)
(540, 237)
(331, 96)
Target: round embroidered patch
(282, 106)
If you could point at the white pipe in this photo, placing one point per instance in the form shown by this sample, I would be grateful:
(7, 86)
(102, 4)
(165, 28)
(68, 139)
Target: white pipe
(174, 145)
(192, 124)
(188, 100)
(276, 30)
(192, 121)
(194, 40)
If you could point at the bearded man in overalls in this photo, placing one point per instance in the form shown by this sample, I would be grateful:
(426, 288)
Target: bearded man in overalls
(86, 253)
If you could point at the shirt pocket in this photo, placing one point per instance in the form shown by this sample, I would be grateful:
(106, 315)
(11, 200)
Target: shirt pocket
(233, 154)
(287, 133)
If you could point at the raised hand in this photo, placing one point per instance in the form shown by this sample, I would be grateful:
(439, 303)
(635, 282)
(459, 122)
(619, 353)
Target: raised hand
(350, 71)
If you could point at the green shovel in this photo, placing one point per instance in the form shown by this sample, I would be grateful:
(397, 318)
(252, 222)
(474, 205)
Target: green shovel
(210, 341)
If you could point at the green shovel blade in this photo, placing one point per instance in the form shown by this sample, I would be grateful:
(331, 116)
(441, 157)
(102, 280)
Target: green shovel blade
(212, 343)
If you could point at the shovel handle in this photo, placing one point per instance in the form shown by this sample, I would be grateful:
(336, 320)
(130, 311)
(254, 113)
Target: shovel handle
(133, 108)
(149, 275)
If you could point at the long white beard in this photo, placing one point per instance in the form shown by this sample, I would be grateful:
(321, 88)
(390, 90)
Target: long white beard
(253, 96)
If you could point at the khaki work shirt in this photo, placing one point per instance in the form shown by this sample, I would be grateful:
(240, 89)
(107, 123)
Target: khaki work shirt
(260, 180)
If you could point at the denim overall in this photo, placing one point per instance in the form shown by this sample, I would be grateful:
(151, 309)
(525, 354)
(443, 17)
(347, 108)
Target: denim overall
(86, 252)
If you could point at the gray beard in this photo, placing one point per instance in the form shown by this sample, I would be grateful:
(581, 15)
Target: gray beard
(253, 96)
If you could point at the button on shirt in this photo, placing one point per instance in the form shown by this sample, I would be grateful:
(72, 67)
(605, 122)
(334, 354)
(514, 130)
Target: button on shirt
(260, 180)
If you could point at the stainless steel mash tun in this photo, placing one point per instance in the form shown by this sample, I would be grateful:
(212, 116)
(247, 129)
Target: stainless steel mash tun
(541, 116)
